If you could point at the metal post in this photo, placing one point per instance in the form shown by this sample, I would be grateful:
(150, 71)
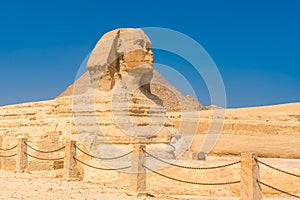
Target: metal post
(250, 189)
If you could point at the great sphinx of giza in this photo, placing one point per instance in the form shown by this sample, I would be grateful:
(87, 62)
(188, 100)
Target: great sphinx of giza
(122, 110)
(115, 104)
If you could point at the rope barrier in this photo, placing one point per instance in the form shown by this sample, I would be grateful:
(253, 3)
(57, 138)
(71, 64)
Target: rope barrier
(40, 151)
(278, 190)
(49, 159)
(9, 156)
(8, 149)
(190, 182)
(280, 170)
(187, 167)
(108, 169)
(155, 172)
(114, 158)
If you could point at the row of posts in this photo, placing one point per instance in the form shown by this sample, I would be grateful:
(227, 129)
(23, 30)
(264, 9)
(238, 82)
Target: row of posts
(69, 160)
(250, 189)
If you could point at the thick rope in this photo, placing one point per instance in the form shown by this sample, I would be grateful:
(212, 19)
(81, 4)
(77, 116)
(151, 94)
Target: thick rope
(190, 182)
(9, 156)
(8, 149)
(40, 151)
(278, 190)
(280, 170)
(114, 158)
(187, 167)
(107, 169)
(49, 159)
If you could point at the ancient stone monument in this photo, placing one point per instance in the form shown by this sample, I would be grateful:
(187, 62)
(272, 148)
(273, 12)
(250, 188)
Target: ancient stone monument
(120, 101)
(119, 109)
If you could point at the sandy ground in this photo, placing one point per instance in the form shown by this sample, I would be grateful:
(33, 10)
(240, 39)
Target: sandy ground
(271, 131)
(30, 186)
(38, 186)
(45, 185)
(276, 146)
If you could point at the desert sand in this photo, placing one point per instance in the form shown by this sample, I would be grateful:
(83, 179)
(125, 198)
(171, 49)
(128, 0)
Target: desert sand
(271, 131)
(51, 185)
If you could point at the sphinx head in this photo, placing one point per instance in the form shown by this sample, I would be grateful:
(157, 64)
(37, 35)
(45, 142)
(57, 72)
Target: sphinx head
(122, 53)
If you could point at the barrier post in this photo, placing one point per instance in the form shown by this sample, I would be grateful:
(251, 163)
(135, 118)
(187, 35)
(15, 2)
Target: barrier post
(70, 171)
(21, 158)
(250, 189)
(138, 179)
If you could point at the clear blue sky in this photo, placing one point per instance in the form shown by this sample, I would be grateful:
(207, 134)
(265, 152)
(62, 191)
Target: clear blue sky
(255, 44)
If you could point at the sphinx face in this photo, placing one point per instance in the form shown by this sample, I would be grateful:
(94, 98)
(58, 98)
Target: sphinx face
(135, 48)
(124, 52)
(142, 59)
